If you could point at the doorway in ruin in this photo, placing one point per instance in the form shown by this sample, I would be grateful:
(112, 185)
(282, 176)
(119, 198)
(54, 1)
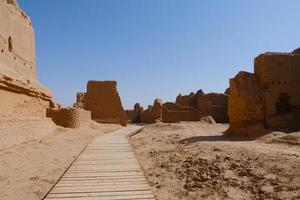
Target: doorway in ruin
(283, 105)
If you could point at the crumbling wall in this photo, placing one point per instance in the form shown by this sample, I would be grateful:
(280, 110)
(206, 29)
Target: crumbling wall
(245, 101)
(103, 100)
(270, 97)
(129, 114)
(17, 45)
(150, 115)
(137, 113)
(178, 116)
(20, 93)
(211, 104)
(186, 100)
(174, 113)
(279, 77)
(69, 117)
(80, 100)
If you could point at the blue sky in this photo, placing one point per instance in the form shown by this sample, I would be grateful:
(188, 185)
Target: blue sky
(155, 48)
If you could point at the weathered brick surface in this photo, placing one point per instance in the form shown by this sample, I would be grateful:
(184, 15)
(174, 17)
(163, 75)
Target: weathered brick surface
(69, 117)
(270, 96)
(103, 100)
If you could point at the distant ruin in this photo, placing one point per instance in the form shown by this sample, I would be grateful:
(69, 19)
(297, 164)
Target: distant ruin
(104, 102)
(20, 92)
(269, 97)
(210, 104)
(190, 107)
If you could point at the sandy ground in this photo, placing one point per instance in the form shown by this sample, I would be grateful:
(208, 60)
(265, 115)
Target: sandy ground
(195, 161)
(34, 154)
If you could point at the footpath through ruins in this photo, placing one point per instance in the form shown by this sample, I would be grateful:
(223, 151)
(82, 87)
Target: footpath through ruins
(106, 169)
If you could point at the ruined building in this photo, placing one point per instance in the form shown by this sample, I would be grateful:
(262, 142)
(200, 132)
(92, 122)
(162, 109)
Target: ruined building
(150, 115)
(269, 97)
(174, 113)
(190, 107)
(210, 104)
(104, 102)
(21, 95)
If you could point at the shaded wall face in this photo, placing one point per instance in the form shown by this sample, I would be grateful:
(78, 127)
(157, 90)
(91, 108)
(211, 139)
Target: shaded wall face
(103, 100)
(17, 45)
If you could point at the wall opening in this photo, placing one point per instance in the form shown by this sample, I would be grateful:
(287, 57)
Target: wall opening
(10, 44)
(283, 105)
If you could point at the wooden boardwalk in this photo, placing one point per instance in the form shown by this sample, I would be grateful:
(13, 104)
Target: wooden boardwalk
(106, 170)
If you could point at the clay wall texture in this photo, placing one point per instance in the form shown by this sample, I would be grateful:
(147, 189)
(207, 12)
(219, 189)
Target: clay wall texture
(210, 104)
(17, 45)
(178, 116)
(213, 104)
(270, 96)
(129, 114)
(103, 100)
(20, 92)
(137, 114)
(69, 117)
(80, 96)
(174, 113)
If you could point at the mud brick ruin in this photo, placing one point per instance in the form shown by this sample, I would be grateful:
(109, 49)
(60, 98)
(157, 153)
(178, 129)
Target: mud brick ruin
(104, 102)
(22, 96)
(20, 92)
(137, 113)
(173, 113)
(69, 117)
(210, 104)
(269, 97)
(190, 107)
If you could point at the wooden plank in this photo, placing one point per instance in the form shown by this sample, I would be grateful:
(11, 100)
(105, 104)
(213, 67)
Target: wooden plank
(106, 170)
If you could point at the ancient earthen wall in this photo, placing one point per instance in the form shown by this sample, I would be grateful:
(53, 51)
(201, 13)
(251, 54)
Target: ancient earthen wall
(20, 92)
(245, 104)
(186, 100)
(137, 113)
(80, 96)
(279, 77)
(17, 46)
(69, 117)
(103, 100)
(211, 104)
(270, 97)
(173, 113)
(129, 114)
(178, 116)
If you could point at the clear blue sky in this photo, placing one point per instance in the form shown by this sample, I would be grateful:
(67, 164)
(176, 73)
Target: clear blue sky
(155, 48)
